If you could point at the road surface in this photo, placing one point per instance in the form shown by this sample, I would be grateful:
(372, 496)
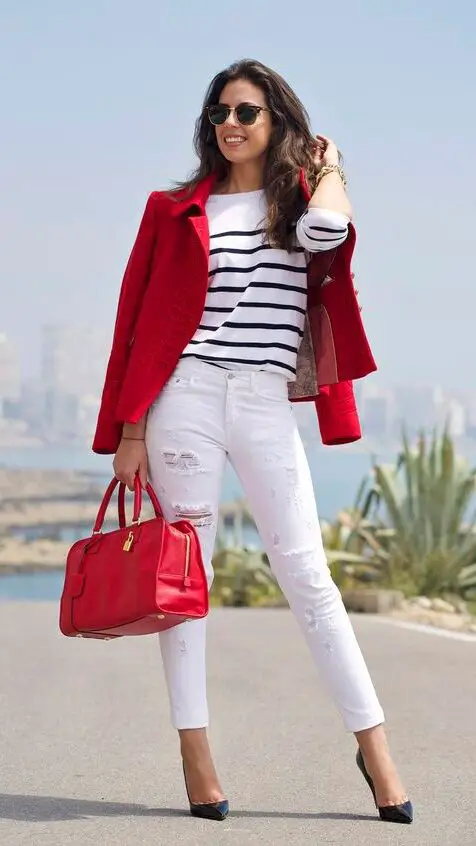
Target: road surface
(88, 756)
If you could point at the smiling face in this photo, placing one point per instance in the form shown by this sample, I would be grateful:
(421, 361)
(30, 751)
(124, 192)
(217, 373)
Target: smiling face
(273, 153)
(241, 144)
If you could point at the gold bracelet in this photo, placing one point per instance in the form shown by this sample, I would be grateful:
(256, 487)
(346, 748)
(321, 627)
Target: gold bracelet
(331, 169)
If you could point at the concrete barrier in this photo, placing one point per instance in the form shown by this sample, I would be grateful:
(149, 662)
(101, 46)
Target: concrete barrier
(372, 601)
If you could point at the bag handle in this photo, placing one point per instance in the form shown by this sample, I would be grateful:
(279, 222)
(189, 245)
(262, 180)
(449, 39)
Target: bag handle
(121, 506)
(121, 503)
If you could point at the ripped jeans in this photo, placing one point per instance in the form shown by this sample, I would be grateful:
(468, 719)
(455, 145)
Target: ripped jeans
(204, 415)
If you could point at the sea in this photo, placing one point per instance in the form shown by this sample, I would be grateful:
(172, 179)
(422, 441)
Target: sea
(336, 472)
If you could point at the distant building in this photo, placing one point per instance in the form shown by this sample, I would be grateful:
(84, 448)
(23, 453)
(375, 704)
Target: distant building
(469, 404)
(10, 376)
(73, 359)
(72, 367)
(32, 403)
(376, 417)
(88, 415)
(454, 417)
(376, 409)
(418, 408)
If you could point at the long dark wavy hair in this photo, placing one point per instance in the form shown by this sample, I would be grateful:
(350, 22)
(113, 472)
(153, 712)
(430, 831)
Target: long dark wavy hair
(291, 147)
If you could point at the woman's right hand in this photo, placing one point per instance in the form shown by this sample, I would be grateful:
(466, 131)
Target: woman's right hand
(130, 460)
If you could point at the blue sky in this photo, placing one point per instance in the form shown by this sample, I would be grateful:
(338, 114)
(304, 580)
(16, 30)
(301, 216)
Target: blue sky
(98, 105)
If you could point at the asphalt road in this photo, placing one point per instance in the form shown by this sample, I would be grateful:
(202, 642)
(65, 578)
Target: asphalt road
(88, 756)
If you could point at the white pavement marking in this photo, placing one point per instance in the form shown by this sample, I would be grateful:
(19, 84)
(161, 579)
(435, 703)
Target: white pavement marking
(431, 630)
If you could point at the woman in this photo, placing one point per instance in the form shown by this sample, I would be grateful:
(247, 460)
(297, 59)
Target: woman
(216, 330)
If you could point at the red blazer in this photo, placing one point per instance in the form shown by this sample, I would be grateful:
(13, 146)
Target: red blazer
(161, 304)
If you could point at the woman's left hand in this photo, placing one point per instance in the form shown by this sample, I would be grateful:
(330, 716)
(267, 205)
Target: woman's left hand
(326, 152)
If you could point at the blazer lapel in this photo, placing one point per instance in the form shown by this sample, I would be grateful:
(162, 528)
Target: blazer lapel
(192, 206)
(199, 225)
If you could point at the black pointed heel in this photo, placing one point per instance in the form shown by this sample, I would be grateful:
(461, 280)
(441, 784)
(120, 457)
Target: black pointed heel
(207, 810)
(389, 813)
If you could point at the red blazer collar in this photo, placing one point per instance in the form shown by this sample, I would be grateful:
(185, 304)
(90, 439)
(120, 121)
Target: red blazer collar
(198, 197)
(185, 200)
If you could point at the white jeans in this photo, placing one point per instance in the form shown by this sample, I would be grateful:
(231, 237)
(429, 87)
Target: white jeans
(203, 416)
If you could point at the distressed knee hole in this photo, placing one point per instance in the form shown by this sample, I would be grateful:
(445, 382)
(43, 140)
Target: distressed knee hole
(314, 584)
(182, 461)
(302, 562)
(330, 636)
(199, 515)
(304, 569)
(311, 617)
(326, 626)
(299, 553)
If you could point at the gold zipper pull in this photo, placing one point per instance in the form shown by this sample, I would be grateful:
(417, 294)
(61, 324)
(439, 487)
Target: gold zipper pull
(128, 542)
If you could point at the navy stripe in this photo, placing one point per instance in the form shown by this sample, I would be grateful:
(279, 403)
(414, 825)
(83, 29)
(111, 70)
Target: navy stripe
(326, 229)
(258, 362)
(260, 344)
(273, 305)
(267, 264)
(323, 240)
(236, 251)
(255, 305)
(238, 233)
(239, 289)
(232, 324)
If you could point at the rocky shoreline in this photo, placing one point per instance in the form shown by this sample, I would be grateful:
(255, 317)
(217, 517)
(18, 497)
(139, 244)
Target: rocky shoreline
(43, 502)
(17, 555)
(439, 613)
(50, 501)
(46, 556)
(451, 614)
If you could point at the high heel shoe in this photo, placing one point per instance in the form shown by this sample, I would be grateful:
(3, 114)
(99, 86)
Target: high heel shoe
(206, 810)
(389, 813)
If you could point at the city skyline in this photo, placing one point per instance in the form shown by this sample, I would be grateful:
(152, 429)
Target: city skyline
(90, 346)
(94, 122)
(59, 404)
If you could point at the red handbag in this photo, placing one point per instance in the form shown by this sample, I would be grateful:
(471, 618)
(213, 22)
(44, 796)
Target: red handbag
(136, 580)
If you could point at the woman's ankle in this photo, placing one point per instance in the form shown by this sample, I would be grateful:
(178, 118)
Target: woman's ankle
(380, 766)
(373, 741)
(200, 774)
(194, 743)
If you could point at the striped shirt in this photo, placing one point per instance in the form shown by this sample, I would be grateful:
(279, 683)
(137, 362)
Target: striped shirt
(256, 300)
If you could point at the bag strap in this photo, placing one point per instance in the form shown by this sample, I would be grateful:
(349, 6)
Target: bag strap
(121, 503)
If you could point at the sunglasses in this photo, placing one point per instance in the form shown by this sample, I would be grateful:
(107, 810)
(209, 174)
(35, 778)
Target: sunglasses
(245, 113)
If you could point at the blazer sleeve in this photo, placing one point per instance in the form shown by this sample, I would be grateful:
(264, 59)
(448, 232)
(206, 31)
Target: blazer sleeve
(337, 414)
(134, 283)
